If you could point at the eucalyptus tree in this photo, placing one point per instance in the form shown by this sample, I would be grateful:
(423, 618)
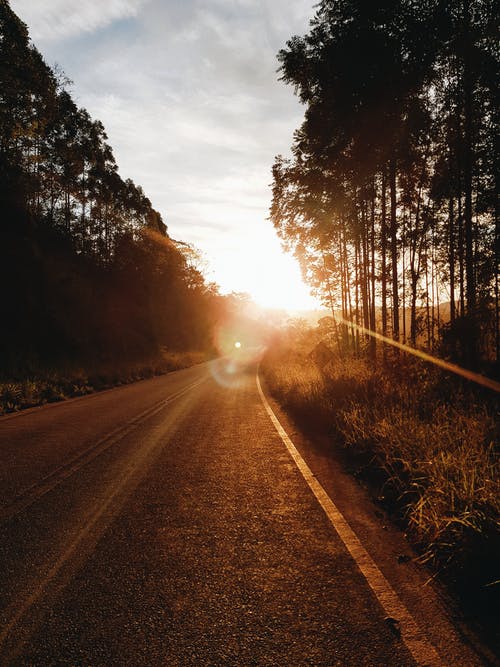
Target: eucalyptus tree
(356, 71)
(465, 181)
(86, 258)
(27, 88)
(393, 173)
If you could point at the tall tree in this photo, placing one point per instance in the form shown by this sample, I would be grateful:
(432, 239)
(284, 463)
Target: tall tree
(377, 176)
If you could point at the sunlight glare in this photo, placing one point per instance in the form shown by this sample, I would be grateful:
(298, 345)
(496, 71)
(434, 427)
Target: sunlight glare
(271, 277)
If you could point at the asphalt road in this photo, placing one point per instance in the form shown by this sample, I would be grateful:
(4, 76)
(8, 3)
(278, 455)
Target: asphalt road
(165, 523)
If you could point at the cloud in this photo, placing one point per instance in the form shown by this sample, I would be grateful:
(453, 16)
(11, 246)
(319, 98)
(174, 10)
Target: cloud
(190, 98)
(194, 110)
(59, 19)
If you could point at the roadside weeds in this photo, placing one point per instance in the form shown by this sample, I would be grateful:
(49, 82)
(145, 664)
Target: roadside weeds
(53, 385)
(426, 447)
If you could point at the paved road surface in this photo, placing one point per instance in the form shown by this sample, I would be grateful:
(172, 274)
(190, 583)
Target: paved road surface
(165, 523)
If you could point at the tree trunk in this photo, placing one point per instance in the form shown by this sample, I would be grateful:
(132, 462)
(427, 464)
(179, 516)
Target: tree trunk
(394, 250)
(383, 260)
(373, 341)
(451, 257)
(467, 178)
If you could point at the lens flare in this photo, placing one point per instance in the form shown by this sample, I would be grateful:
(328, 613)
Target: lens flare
(240, 345)
(226, 372)
(441, 363)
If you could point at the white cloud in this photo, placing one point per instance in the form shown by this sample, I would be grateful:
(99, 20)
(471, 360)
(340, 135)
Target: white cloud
(189, 96)
(60, 19)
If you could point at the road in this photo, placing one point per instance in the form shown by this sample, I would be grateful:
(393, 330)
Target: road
(166, 523)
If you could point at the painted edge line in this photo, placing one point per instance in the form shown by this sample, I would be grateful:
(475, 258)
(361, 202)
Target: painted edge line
(420, 648)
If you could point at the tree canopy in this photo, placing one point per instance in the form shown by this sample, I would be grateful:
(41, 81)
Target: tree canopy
(390, 197)
(87, 266)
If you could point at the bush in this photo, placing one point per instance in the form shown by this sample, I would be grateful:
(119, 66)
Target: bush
(48, 386)
(426, 441)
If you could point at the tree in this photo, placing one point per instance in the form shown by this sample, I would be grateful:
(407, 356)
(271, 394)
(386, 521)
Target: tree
(369, 200)
(85, 260)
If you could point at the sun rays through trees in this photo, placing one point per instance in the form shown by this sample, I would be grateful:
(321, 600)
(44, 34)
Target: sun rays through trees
(390, 198)
(87, 267)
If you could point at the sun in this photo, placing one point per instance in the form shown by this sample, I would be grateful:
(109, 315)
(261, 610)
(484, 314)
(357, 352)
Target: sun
(237, 345)
(279, 284)
(271, 277)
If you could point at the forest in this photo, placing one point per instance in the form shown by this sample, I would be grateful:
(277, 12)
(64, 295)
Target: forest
(390, 202)
(390, 198)
(90, 276)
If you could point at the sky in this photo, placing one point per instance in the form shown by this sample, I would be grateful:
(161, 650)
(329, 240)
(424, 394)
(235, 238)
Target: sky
(189, 95)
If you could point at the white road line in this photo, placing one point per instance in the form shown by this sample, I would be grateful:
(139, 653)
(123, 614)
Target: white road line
(421, 649)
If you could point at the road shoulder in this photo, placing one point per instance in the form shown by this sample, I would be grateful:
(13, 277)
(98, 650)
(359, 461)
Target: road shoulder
(426, 601)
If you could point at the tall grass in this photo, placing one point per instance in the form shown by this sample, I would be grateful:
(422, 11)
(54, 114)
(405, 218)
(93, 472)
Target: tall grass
(425, 443)
(45, 385)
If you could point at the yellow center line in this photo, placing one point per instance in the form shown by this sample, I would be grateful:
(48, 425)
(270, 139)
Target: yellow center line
(46, 484)
(76, 549)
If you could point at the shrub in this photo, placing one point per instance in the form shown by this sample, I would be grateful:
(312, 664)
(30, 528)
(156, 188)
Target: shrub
(425, 439)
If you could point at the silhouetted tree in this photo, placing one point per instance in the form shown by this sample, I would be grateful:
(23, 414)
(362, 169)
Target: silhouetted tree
(86, 264)
(391, 190)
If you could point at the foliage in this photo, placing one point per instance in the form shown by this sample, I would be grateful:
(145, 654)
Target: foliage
(49, 386)
(390, 198)
(426, 442)
(87, 268)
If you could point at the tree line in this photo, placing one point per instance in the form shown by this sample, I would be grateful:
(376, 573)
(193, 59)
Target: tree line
(87, 267)
(390, 198)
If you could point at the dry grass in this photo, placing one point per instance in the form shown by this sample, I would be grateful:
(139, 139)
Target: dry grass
(48, 386)
(426, 442)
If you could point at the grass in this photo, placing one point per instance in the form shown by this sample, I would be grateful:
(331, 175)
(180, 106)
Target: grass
(51, 385)
(426, 445)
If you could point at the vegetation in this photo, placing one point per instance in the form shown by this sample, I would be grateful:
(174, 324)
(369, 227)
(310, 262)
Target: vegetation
(43, 385)
(390, 200)
(90, 277)
(424, 443)
(390, 203)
